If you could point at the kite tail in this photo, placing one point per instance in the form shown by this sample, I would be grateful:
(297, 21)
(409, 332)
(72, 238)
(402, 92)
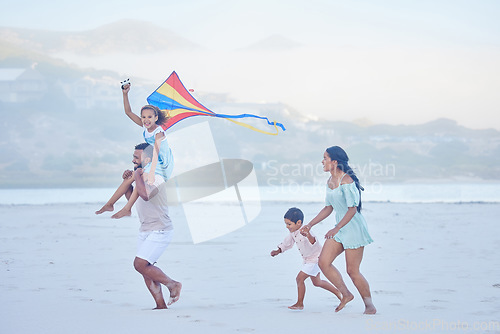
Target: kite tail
(248, 126)
(274, 123)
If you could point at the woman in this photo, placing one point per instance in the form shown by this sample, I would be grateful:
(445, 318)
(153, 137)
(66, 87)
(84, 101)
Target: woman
(343, 194)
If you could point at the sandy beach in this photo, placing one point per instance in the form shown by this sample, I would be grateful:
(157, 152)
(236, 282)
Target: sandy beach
(432, 268)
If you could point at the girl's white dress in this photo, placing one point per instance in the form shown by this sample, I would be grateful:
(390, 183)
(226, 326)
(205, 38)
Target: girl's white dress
(165, 163)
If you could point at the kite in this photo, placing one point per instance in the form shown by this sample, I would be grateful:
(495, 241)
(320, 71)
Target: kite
(173, 97)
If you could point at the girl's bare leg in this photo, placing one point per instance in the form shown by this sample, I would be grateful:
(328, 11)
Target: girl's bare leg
(127, 209)
(353, 261)
(332, 249)
(122, 190)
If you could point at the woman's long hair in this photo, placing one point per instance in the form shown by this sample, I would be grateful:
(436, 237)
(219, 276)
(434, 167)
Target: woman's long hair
(162, 114)
(338, 154)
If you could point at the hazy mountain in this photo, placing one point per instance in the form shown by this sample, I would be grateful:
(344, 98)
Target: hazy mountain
(123, 36)
(273, 43)
(73, 141)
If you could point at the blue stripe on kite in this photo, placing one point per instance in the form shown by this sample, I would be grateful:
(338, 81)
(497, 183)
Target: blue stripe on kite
(166, 103)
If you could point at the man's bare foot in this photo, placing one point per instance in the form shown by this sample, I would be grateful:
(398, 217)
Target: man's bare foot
(369, 307)
(160, 307)
(296, 306)
(345, 299)
(106, 207)
(122, 213)
(175, 292)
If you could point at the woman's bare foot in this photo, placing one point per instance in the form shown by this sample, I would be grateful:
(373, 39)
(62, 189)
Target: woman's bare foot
(175, 292)
(337, 293)
(296, 306)
(369, 307)
(122, 213)
(106, 207)
(345, 299)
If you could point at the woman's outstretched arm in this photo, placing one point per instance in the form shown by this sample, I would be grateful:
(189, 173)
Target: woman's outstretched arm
(325, 212)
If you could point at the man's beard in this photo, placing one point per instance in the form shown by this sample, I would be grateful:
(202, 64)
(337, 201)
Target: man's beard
(137, 166)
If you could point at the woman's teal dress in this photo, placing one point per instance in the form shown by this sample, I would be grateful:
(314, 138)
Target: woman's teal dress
(355, 233)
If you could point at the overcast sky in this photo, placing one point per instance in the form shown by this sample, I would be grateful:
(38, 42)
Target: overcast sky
(393, 61)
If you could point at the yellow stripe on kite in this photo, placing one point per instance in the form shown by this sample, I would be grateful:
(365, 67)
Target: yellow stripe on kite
(248, 126)
(175, 112)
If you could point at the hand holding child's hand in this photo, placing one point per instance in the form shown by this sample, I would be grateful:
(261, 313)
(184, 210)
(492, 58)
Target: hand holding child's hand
(127, 174)
(305, 230)
(138, 173)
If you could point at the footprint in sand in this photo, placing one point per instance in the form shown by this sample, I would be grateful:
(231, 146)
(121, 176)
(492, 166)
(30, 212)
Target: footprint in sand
(445, 291)
(386, 292)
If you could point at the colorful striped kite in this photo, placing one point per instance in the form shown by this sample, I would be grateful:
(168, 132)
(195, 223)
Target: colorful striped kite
(180, 104)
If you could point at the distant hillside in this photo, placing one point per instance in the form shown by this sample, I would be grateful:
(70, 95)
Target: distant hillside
(123, 36)
(273, 43)
(92, 146)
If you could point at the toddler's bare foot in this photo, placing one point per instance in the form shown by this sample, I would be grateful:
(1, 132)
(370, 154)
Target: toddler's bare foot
(106, 207)
(369, 307)
(345, 299)
(175, 292)
(122, 213)
(296, 306)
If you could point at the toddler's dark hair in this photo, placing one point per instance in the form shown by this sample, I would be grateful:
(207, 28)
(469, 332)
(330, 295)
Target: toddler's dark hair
(294, 215)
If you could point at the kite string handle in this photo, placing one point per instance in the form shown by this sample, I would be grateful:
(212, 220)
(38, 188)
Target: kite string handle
(125, 82)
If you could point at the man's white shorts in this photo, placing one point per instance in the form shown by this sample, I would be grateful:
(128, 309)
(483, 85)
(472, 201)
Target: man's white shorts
(152, 244)
(311, 269)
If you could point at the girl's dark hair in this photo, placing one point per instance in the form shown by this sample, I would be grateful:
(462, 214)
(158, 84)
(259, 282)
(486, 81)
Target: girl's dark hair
(338, 154)
(294, 215)
(162, 114)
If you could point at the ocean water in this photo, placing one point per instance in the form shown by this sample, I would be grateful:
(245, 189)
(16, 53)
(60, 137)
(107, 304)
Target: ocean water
(401, 193)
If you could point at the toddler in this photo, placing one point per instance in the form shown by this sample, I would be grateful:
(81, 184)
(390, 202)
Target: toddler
(309, 248)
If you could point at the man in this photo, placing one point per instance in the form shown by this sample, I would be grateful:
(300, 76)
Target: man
(156, 228)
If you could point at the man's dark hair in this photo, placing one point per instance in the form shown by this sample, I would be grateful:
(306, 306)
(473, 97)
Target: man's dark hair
(294, 215)
(148, 149)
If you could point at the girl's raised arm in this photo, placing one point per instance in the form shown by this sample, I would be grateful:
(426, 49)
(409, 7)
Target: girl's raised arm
(126, 105)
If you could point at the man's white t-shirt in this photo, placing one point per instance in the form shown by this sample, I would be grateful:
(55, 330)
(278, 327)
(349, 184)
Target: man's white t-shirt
(153, 214)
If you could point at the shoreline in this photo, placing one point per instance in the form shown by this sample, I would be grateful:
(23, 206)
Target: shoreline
(401, 193)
